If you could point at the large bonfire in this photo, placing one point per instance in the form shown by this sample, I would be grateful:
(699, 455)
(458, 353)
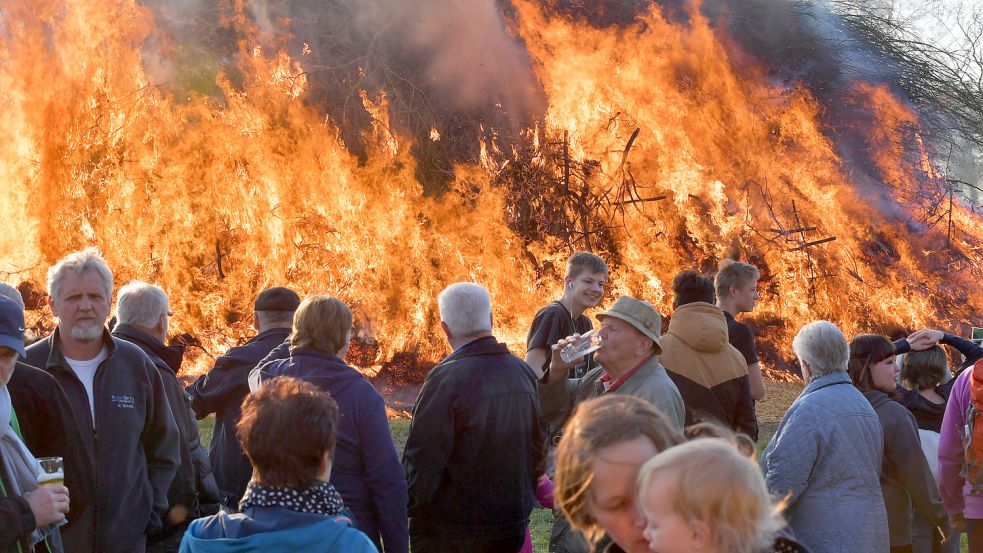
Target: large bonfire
(656, 141)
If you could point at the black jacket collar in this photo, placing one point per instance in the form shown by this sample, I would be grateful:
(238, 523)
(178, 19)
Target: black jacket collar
(486, 345)
(279, 331)
(57, 359)
(170, 356)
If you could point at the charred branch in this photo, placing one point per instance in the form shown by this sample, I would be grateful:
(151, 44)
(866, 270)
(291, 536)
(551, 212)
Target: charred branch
(813, 243)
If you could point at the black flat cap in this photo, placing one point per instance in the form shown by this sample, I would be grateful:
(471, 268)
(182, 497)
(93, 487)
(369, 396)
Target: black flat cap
(277, 299)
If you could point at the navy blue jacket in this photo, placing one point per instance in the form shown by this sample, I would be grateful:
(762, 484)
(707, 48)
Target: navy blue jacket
(366, 469)
(133, 444)
(476, 445)
(221, 391)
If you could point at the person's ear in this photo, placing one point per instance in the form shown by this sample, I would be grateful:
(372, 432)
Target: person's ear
(324, 472)
(806, 370)
(700, 535)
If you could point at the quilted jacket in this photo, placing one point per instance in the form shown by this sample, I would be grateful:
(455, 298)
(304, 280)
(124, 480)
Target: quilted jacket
(825, 458)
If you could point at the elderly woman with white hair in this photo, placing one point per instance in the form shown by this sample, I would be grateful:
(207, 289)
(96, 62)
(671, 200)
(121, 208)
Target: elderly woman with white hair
(825, 456)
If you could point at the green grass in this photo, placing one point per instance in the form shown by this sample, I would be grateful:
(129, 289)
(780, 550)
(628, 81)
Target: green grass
(770, 411)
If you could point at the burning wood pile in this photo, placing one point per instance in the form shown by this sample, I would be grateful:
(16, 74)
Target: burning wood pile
(242, 148)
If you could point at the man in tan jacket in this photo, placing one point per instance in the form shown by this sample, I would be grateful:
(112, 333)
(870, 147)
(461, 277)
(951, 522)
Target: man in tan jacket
(710, 373)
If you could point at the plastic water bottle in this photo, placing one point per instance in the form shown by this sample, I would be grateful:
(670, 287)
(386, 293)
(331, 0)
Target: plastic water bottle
(588, 343)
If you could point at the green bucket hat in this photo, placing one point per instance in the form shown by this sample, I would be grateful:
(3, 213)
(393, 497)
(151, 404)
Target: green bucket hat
(639, 314)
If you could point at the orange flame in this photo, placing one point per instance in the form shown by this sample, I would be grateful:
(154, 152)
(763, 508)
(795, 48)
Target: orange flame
(217, 199)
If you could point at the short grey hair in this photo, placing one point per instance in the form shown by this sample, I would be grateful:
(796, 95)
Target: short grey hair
(465, 307)
(11, 293)
(78, 263)
(823, 347)
(141, 304)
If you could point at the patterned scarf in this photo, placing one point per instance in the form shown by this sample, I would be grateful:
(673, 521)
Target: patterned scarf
(320, 499)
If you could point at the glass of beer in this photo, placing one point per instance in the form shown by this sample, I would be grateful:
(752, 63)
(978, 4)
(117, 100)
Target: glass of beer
(53, 471)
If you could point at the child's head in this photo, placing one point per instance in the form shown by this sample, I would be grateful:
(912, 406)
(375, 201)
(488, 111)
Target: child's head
(924, 369)
(706, 496)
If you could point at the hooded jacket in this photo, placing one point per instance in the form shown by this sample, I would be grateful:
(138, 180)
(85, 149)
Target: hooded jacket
(221, 391)
(274, 530)
(905, 475)
(476, 447)
(184, 491)
(366, 469)
(710, 373)
(133, 444)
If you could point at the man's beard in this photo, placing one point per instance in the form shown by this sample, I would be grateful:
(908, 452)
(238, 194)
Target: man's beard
(86, 332)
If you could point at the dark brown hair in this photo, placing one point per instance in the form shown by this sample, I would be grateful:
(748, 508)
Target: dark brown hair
(866, 350)
(924, 369)
(286, 428)
(690, 286)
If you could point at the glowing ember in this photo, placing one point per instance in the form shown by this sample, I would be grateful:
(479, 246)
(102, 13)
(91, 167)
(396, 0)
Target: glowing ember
(662, 156)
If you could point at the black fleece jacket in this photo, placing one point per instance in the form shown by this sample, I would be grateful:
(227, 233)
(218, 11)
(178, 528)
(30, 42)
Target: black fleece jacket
(183, 498)
(48, 429)
(133, 444)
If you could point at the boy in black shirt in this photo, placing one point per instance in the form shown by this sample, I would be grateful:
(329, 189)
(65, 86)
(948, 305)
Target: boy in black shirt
(736, 285)
(583, 288)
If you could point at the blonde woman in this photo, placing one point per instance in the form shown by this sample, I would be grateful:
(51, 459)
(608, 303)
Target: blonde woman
(597, 461)
(367, 472)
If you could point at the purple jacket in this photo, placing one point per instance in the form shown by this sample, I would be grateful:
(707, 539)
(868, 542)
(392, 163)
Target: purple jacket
(955, 490)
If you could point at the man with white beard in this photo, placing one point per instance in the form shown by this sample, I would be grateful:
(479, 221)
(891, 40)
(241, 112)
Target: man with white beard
(118, 401)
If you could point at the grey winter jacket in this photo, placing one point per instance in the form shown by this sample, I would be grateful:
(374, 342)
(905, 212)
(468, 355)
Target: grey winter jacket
(650, 382)
(825, 458)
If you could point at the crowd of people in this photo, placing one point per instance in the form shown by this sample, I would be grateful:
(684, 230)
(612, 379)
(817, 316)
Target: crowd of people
(645, 443)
